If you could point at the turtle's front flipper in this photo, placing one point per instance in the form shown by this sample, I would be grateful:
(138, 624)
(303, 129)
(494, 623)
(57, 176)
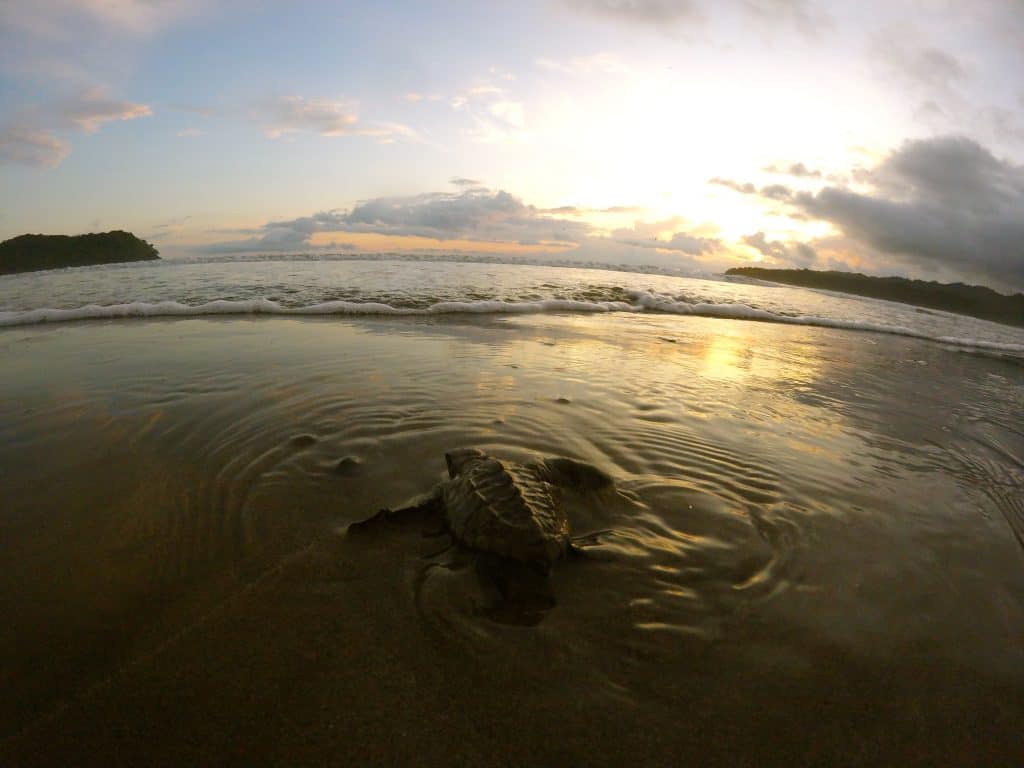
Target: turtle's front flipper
(425, 510)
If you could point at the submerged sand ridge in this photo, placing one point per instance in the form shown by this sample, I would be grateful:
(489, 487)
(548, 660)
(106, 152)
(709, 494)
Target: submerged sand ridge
(801, 565)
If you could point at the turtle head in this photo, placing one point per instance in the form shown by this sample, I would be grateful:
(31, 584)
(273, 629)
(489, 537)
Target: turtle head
(459, 459)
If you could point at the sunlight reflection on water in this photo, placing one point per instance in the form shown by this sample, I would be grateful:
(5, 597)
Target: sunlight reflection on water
(781, 490)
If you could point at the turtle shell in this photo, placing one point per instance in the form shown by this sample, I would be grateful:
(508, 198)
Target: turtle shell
(507, 509)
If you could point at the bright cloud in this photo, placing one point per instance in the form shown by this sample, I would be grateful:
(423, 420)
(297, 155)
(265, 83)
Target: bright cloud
(326, 117)
(294, 114)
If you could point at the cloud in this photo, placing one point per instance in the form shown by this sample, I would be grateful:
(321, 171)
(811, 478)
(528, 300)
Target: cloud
(805, 15)
(494, 117)
(744, 189)
(654, 12)
(30, 137)
(794, 253)
(950, 172)
(687, 243)
(651, 234)
(484, 89)
(798, 170)
(930, 68)
(573, 210)
(294, 114)
(501, 122)
(509, 112)
(475, 213)
(460, 181)
(62, 19)
(945, 204)
(33, 147)
(778, 192)
(932, 78)
(286, 115)
(188, 133)
(619, 209)
(94, 108)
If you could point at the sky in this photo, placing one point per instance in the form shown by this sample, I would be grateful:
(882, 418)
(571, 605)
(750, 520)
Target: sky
(881, 137)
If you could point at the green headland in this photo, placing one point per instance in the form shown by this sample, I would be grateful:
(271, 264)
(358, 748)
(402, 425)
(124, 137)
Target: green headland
(974, 300)
(29, 253)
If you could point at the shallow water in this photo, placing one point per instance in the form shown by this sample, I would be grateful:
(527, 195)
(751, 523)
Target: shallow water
(815, 552)
(388, 286)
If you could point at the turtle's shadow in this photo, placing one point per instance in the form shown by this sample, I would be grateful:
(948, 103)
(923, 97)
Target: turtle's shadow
(477, 583)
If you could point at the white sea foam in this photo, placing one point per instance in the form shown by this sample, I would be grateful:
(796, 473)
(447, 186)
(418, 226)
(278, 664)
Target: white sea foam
(640, 301)
(268, 307)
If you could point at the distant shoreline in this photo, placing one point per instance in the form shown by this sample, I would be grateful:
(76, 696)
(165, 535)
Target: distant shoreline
(959, 298)
(32, 253)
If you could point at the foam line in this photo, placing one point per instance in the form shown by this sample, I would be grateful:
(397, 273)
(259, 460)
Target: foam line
(640, 301)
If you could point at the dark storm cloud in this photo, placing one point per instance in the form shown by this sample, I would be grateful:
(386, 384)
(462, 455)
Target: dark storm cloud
(944, 202)
(950, 171)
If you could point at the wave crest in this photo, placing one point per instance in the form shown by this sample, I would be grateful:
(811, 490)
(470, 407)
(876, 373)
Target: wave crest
(639, 301)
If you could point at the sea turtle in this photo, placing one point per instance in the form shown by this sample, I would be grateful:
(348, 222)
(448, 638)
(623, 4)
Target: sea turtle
(509, 517)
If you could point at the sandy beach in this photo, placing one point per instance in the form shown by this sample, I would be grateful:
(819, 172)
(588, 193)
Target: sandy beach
(800, 562)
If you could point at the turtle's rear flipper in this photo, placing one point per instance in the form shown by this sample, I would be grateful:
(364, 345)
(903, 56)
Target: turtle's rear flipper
(588, 546)
(519, 593)
(427, 510)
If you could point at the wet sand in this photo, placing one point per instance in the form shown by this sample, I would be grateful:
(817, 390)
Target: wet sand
(813, 557)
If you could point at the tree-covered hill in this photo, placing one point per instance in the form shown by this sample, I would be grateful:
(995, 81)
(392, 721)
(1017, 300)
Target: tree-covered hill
(974, 300)
(28, 253)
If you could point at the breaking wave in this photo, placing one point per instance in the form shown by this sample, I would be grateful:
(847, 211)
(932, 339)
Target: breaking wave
(638, 301)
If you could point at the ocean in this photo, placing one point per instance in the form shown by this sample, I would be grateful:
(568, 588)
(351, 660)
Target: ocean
(813, 552)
